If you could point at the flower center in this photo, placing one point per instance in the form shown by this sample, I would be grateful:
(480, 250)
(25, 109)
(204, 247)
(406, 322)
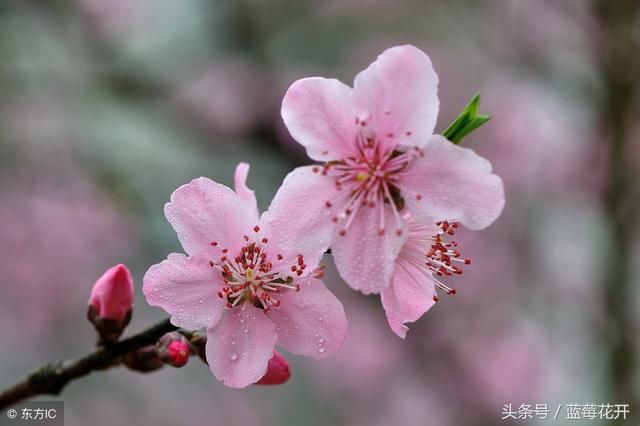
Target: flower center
(254, 276)
(432, 255)
(370, 179)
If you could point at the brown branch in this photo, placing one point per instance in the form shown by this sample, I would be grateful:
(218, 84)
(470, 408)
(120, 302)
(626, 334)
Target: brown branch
(52, 378)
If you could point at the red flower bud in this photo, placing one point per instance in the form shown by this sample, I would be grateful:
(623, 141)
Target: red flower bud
(112, 294)
(173, 349)
(278, 371)
(111, 303)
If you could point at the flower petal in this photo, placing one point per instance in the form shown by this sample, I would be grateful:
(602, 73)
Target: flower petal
(319, 115)
(452, 183)
(408, 297)
(364, 258)
(240, 346)
(203, 211)
(298, 218)
(311, 321)
(399, 92)
(243, 191)
(185, 287)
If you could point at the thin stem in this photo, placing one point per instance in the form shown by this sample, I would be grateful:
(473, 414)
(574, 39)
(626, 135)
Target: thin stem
(53, 377)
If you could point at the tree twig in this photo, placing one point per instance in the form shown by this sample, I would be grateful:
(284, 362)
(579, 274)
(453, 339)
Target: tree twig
(53, 377)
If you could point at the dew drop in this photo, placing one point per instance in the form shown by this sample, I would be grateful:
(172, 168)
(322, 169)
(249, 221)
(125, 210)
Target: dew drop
(233, 356)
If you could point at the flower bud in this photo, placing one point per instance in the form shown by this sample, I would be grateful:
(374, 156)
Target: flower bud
(144, 360)
(277, 371)
(111, 303)
(173, 349)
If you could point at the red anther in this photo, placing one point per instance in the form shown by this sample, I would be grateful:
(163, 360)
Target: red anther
(223, 259)
(452, 291)
(297, 287)
(315, 169)
(220, 295)
(435, 298)
(214, 243)
(256, 228)
(334, 219)
(265, 240)
(211, 263)
(279, 257)
(293, 268)
(418, 197)
(225, 250)
(343, 232)
(328, 204)
(399, 232)
(408, 133)
(467, 261)
(300, 261)
(348, 212)
(381, 232)
(299, 272)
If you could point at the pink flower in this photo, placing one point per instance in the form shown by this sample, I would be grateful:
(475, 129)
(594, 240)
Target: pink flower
(112, 295)
(425, 256)
(278, 371)
(380, 159)
(251, 284)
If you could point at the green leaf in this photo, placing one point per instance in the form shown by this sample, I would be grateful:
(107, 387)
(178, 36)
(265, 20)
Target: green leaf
(467, 121)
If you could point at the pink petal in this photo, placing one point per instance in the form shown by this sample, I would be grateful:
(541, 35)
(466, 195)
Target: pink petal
(408, 297)
(364, 258)
(319, 115)
(311, 321)
(399, 92)
(203, 211)
(452, 183)
(240, 346)
(243, 191)
(185, 287)
(298, 218)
